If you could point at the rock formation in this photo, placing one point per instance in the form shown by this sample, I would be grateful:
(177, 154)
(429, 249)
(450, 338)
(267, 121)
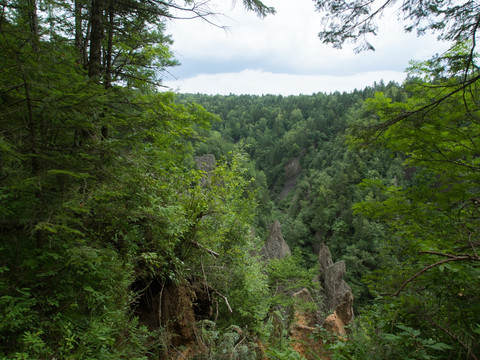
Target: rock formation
(337, 293)
(337, 297)
(292, 172)
(275, 247)
(206, 163)
(343, 315)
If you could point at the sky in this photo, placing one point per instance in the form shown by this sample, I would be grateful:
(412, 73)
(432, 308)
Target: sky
(282, 54)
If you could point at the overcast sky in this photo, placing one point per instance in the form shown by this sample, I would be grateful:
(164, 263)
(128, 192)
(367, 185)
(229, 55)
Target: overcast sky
(281, 54)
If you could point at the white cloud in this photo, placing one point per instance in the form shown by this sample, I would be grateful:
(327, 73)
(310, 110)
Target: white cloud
(285, 43)
(257, 82)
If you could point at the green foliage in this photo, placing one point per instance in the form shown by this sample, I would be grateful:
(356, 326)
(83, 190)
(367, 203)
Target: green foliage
(285, 354)
(100, 194)
(318, 202)
(229, 344)
(290, 274)
(99, 189)
(433, 221)
(259, 7)
(416, 204)
(356, 20)
(378, 335)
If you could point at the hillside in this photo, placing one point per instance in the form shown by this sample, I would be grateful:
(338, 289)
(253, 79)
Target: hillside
(143, 224)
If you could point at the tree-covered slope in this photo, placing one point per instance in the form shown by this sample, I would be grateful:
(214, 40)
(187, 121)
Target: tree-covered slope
(121, 236)
(298, 144)
(387, 177)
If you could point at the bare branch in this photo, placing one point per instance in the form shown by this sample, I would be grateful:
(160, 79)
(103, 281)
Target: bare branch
(450, 258)
(200, 246)
(225, 299)
(381, 127)
(471, 244)
(439, 254)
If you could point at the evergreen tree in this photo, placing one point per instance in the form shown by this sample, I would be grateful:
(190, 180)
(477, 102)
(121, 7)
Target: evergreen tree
(98, 188)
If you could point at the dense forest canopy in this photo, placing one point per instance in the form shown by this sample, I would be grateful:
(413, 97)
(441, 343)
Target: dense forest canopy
(132, 221)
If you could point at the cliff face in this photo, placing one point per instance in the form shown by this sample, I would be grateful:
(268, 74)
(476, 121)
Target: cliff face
(292, 172)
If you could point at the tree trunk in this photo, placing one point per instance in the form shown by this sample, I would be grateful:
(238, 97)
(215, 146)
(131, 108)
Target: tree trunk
(109, 55)
(79, 41)
(96, 37)
(32, 126)
(33, 19)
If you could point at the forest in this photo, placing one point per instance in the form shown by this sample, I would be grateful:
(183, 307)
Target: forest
(140, 223)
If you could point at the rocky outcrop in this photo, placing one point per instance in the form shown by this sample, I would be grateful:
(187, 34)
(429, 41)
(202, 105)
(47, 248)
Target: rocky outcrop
(343, 315)
(337, 297)
(336, 292)
(344, 310)
(305, 311)
(206, 163)
(324, 259)
(275, 247)
(292, 172)
(334, 325)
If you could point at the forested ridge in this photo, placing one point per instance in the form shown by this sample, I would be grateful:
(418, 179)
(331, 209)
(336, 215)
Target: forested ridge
(134, 222)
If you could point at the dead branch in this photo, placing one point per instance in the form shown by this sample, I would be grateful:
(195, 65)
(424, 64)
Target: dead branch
(471, 244)
(225, 299)
(200, 246)
(474, 257)
(160, 301)
(439, 254)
